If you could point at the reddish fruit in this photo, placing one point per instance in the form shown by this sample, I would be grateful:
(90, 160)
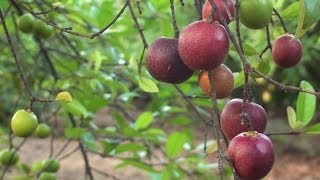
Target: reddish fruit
(252, 155)
(231, 122)
(203, 46)
(223, 80)
(287, 51)
(206, 10)
(164, 63)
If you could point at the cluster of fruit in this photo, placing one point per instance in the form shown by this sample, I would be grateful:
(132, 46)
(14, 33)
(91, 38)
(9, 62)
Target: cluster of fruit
(28, 24)
(45, 168)
(203, 45)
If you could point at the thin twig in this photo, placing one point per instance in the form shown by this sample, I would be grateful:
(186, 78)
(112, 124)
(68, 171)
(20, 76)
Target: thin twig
(216, 124)
(138, 26)
(22, 77)
(281, 20)
(205, 121)
(174, 21)
(112, 22)
(237, 5)
(284, 133)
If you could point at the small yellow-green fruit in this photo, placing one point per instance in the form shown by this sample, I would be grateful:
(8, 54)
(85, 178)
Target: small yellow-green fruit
(25, 23)
(64, 97)
(50, 165)
(43, 130)
(8, 157)
(37, 166)
(24, 123)
(42, 30)
(47, 176)
(266, 96)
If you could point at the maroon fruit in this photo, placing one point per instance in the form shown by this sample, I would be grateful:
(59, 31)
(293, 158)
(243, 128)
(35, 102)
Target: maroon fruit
(231, 122)
(203, 46)
(206, 10)
(287, 51)
(252, 155)
(164, 63)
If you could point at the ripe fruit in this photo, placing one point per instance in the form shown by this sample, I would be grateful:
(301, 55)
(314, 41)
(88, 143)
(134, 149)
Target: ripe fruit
(287, 51)
(47, 176)
(231, 122)
(206, 10)
(24, 123)
(43, 131)
(64, 97)
(255, 14)
(42, 30)
(25, 23)
(252, 155)
(8, 157)
(164, 63)
(223, 80)
(203, 46)
(50, 165)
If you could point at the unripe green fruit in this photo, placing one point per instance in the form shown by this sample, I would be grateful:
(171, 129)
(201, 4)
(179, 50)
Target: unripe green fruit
(42, 30)
(8, 157)
(37, 166)
(22, 177)
(24, 123)
(50, 165)
(43, 131)
(47, 176)
(25, 23)
(255, 14)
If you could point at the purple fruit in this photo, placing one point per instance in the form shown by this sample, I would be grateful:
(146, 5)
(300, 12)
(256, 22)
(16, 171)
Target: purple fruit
(230, 118)
(164, 63)
(203, 46)
(252, 155)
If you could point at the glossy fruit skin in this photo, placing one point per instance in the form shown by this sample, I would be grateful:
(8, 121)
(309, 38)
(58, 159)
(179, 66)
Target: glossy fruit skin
(47, 176)
(206, 10)
(255, 14)
(223, 80)
(24, 123)
(50, 165)
(42, 30)
(252, 155)
(43, 131)
(230, 118)
(164, 62)
(25, 23)
(203, 46)
(8, 157)
(287, 51)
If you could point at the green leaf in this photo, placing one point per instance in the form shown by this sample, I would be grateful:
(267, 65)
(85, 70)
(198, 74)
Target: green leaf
(75, 108)
(120, 120)
(291, 11)
(148, 85)
(312, 12)
(75, 133)
(309, 14)
(249, 50)
(315, 129)
(136, 164)
(89, 141)
(306, 104)
(4, 4)
(238, 79)
(144, 120)
(108, 145)
(263, 67)
(175, 144)
(180, 121)
(292, 119)
(134, 147)
(25, 168)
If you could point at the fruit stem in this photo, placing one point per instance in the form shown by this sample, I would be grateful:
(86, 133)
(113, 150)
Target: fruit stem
(216, 123)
